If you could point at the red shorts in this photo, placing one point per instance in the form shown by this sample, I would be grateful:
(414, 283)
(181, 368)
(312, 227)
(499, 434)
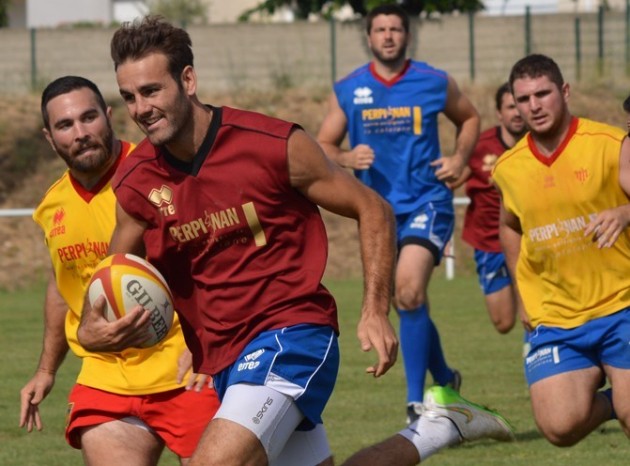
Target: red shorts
(178, 417)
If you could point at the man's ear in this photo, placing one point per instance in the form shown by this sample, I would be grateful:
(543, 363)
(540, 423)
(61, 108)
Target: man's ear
(49, 138)
(189, 80)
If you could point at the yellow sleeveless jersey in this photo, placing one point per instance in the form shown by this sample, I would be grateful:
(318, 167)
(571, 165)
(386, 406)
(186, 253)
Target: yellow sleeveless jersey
(563, 278)
(78, 225)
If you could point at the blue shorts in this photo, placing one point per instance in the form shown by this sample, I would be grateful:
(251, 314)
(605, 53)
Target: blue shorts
(555, 350)
(299, 361)
(430, 226)
(492, 271)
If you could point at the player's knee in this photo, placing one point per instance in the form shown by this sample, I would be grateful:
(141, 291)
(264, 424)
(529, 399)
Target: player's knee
(562, 440)
(561, 435)
(503, 326)
(408, 298)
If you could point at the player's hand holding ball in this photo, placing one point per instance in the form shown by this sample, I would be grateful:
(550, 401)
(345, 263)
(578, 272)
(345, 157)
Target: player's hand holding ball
(128, 304)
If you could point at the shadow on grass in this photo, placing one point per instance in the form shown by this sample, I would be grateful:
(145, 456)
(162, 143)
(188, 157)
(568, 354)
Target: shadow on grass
(528, 435)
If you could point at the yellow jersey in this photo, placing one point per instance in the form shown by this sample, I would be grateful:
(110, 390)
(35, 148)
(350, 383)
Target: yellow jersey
(564, 279)
(78, 225)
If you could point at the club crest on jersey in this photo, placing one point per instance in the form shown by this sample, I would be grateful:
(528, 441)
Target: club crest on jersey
(363, 95)
(581, 174)
(162, 198)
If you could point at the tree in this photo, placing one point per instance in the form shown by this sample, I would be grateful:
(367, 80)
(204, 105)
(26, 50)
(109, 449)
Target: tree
(182, 11)
(302, 8)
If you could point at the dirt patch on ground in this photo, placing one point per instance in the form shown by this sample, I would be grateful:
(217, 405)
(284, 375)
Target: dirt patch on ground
(28, 167)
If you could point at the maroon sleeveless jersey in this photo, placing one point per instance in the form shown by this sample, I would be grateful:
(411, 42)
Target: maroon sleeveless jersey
(481, 223)
(242, 250)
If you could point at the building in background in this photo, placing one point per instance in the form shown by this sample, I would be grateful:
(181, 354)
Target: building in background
(59, 13)
(517, 7)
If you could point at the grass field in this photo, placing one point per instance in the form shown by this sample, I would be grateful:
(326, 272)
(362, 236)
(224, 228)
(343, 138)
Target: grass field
(362, 409)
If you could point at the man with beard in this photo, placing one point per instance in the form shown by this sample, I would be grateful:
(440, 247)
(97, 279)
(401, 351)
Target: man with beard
(564, 231)
(225, 203)
(124, 404)
(390, 109)
(481, 223)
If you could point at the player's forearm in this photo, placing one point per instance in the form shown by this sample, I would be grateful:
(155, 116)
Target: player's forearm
(467, 136)
(511, 244)
(334, 153)
(55, 345)
(378, 254)
(53, 355)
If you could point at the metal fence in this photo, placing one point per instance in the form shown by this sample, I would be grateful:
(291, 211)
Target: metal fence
(259, 56)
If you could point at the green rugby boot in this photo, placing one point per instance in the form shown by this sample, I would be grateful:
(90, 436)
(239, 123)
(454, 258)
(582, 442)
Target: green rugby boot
(473, 421)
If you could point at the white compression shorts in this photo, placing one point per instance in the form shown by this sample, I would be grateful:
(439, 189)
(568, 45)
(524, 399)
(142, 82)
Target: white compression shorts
(275, 417)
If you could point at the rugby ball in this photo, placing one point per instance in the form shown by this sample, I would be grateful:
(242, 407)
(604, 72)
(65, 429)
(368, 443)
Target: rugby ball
(127, 280)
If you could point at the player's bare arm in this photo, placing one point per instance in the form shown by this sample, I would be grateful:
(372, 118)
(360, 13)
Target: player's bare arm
(463, 114)
(510, 234)
(95, 332)
(330, 137)
(606, 227)
(54, 350)
(327, 185)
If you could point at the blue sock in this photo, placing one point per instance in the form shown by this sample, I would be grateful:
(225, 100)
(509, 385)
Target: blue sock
(415, 341)
(608, 394)
(442, 374)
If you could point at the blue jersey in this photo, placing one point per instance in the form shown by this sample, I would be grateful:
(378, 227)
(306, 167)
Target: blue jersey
(398, 119)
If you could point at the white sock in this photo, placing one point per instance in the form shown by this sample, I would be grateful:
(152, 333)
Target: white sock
(431, 434)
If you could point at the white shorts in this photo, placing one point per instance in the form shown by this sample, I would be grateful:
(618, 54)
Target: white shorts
(273, 417)
(136, 421)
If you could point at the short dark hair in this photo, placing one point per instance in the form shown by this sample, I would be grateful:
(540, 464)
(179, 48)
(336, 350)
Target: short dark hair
(152, 34)
(535, 66)
(501, 91)
(64, 85)
(626, 105)
(387, 9)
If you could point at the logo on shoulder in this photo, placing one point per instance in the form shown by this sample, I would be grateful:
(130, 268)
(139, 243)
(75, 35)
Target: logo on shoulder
(58, 227)
(163, 199)
(488, 162)
(363, 95)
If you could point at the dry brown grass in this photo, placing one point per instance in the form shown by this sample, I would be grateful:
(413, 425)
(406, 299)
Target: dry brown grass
(27, 166)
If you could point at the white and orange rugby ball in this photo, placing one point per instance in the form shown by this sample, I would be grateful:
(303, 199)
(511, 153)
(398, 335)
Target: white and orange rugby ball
(126, 281)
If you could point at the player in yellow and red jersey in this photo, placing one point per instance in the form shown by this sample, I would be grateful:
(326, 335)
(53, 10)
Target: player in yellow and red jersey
(126, 405)
(563, 228)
